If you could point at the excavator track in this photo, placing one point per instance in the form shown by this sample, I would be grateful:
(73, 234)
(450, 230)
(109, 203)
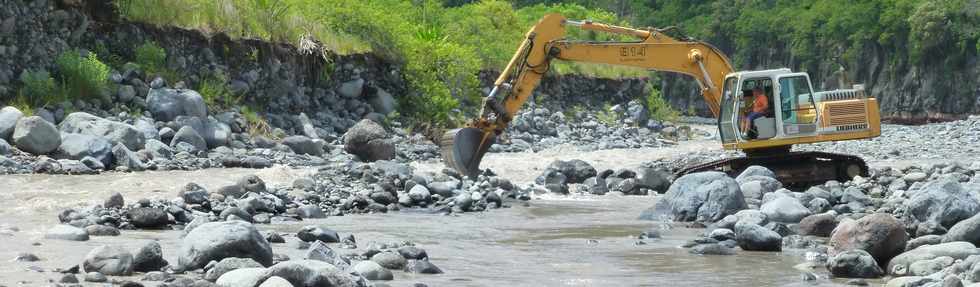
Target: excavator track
(793, 169)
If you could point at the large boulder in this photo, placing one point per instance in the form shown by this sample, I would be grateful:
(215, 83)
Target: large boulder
(957, 250)
(967, 230)
(109, 260)
(188, 135)
(312, 273)
(382, 102)
(654, 179)
(219, 240)
(115, 132)
(304, 145)
(148, 217)
(818, 225)
(880, 234)
(35, 135)
(242, 277)
(149, 257)
(167, 104)
(229, 264)
(754, 170)
(8, 120)
(757, 186)
(704, 196)
(79, 146)
(785, 209)
(855, 263)
(944, 202)
(372, 271)
(216, 133)
(752, 237)
(368, 141)
(575, 171)
(122, 156)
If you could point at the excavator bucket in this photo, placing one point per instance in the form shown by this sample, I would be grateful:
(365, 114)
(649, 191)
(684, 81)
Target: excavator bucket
(463, 149)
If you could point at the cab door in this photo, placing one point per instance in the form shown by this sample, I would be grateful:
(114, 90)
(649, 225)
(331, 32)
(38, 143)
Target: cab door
(726, 120)
(796, 109)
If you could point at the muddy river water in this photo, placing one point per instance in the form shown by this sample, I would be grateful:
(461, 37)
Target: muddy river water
(550, 241)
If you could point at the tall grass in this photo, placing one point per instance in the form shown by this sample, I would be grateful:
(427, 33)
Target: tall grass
(441, 48)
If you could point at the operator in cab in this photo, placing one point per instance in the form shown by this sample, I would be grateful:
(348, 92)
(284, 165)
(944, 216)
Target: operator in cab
(760, 103)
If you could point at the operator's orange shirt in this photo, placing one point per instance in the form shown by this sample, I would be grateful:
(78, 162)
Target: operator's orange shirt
(760, 104)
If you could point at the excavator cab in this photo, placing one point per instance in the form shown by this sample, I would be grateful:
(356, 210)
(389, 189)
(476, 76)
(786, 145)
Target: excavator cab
(790, 112)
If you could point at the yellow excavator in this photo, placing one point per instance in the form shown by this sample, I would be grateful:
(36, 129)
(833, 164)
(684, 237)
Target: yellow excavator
(795, 113)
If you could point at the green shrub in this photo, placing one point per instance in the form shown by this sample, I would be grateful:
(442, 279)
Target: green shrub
(82, 77)
(607, 116)
(214, 89)
(658, 107)
(151, 57)
(39, 88)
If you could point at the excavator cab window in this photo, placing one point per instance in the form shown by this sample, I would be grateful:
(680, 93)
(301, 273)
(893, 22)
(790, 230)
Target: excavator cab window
(796, 106)
(726, 123)
(754, 125)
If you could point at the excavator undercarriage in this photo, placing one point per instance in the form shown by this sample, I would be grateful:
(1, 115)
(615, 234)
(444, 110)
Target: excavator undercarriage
(793, 169)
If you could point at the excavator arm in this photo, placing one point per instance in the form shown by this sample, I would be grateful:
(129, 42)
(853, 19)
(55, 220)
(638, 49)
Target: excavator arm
(462, 149)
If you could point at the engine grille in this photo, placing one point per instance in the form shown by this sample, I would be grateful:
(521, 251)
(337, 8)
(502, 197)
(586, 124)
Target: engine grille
(847, 113)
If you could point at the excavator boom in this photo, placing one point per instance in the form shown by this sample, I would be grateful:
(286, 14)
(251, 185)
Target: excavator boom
(462, 149)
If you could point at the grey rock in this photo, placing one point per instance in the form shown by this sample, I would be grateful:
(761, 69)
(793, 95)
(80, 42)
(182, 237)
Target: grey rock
(167, 104)
(8, 120)
(79, 146)
(382, 102)
(193, 193)
(149, 257)
(311, 273)
(188, 135)
(653, 179)
(575, 171)
(114, 201)
(148, 217)
(422, 267)
(314, 233)
(945, 202)
(310, 211)
(5, 147)
(351, 89)
(115, 132)
(126, 93)
(755, 170)
(785, 209)
(127, 158)
(751, 237)
(216, 133)
(756, 186)
(159, 150)
(307, 126)
(109, 260)
(66, 232)
(101, 230)
(855, 263)
(704, 196)
(712, 249)
(818, 225)
(35, 135)
(412, 252)
(390, 260)
(229, 264)
(146, 127)
(900, 265)
(276, 281)
(596, 185)
(967, 230)
(304, 145)
(373, 271)
(95, 277)
(242, 277)
(419, 194)
(368, 141)
(219, 240)
(924, 240)
(930, 266)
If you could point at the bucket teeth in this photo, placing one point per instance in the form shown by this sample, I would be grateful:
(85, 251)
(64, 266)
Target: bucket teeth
(463, 149)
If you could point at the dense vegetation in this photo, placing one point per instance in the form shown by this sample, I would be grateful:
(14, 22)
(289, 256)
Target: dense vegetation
(442, 44)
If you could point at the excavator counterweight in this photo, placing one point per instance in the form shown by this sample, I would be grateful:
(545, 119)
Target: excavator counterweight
(792, 114)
